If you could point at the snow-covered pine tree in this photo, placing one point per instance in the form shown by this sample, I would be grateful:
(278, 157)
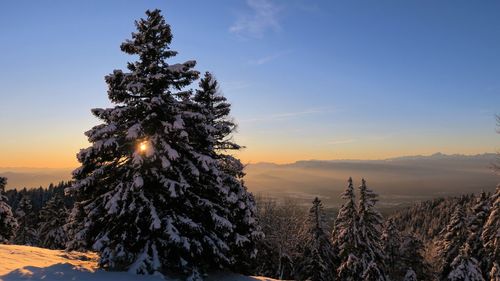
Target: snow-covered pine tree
(455, 236)
(76, 238)
(346, 237)
(479, 215)
(491, 230)
(373, 272)
(213, 130)
(464, 267)
(51, 224)
(494, 274)
(391, 242)
(317, 260)
(8, 223)
(27, 234)
(369, 226)
(412, 257)
(152, 199)
(410, 275)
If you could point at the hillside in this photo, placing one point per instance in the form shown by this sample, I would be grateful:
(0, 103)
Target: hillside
(33, 263)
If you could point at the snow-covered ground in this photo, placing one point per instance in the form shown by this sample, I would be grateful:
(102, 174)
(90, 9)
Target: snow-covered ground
(32, 263)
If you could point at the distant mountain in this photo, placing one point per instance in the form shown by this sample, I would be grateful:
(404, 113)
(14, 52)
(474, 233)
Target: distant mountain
(400, 181)
(32, 177)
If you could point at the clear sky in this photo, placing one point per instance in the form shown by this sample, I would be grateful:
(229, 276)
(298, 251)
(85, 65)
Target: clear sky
(307, 79)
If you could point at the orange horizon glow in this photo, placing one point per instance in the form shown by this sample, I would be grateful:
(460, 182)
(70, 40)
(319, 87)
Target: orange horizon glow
(58, 159)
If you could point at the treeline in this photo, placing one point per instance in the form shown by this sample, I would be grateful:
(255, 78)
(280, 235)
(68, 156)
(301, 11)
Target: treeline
(461, 231)
(442, 239)
(39, 196)
(355, 245)
(34, 217)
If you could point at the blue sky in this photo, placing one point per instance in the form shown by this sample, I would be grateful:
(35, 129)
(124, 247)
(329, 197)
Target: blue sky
(307, 79)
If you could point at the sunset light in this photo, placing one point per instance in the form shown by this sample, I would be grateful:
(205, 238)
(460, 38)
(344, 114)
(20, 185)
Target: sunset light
(250, 140)
(143, 146)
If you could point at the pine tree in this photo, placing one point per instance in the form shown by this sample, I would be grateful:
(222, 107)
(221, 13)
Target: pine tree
(51, 226)
(491, 230)
(27, 233)
(373, 272)
(213, 128)
(346, 237)
(318, 256)
(464, 267)
(410, 275)
(411, 256)
(153, 195)
(369, 226)
(8, 223)
(74, 228)
(391, 242)
(479, 215)
(455, 236)
(351, 269)
(495, 272)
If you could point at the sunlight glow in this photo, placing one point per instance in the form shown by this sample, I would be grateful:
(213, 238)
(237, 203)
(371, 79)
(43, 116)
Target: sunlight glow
(143, 146)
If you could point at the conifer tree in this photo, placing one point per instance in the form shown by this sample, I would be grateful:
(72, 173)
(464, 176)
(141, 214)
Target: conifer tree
(51, 226)
(8, 223)
(464, 267)
(479, 215)
(455, 236)
(74, 228)
(213, 128)
(494, 272)
(391, 242)
(317, 261)
(491, 230)
(411, 256)
(346, 237)
(369, 226)
(410, 275)
(27, 233)
(373, 272)
(152, 195)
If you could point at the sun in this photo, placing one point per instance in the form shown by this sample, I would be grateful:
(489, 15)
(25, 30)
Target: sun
(143, 146)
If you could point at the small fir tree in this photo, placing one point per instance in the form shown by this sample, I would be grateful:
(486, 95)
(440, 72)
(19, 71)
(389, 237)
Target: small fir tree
(491, 230)
(27, 233)
(316, 262)
(464, 267)
(479, 215)
(391, 242)
(494, 274)
(346, 237)
(410, 275)
(8, 223)
(369, 226)
(455, 236)
(51, 226)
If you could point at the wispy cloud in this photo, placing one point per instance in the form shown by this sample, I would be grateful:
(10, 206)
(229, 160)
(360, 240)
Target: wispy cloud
(287, 115)
(335, 142)
(266, 59)
(264, 16)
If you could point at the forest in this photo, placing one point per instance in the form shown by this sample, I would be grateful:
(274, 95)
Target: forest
(159, 190)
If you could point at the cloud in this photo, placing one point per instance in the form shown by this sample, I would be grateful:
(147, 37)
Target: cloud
(263, 17)
(266, 59)
(288, 115)
(335, 142)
